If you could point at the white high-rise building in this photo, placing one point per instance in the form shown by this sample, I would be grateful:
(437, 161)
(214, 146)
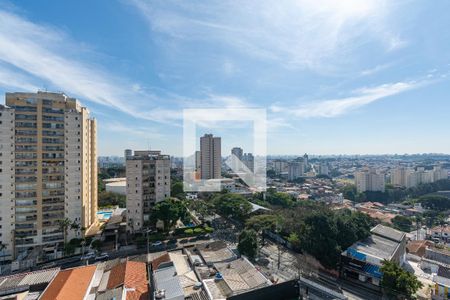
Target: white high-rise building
(369, 180)
(323, 169)
(211, 157)
(296, 169)
(48, 170)
(148, 182)
(408, 178)
(399, 176)
(280, 166)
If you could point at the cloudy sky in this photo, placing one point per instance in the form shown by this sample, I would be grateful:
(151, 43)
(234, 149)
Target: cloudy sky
(336, 77)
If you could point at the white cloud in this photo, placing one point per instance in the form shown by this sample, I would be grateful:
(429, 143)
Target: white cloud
(305, 34)
(358, 99)
(41, 55)
(375, 69)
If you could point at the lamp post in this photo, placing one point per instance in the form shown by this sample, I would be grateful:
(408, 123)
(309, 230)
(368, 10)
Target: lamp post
(117, 238)
(148, 245)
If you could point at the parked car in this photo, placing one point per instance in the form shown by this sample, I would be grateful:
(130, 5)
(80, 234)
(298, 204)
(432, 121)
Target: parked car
(88, 256)
(157, 243)
(102, 256)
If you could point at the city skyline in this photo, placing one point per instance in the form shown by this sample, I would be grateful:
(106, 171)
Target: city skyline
(356, 78)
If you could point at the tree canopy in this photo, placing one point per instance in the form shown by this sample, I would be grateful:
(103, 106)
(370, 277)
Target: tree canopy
(324, 233)
(111, 199)
(248, 243)
(398, 282)
(435, 202)
(402, 223)
(232, 205)
(177, 189)
(169, 211)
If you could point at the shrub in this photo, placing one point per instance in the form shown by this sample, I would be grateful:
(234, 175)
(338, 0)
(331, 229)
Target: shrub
(189, 231)
(198, 230)
(208, 229)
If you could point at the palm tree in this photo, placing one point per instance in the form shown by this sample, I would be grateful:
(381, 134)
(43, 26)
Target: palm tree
(64, 225)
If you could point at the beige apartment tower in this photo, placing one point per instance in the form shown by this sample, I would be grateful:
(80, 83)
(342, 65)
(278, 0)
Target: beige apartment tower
(210, 157)
(148, 182)
(48, 170)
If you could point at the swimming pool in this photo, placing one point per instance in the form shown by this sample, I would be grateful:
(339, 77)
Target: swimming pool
(105, 215)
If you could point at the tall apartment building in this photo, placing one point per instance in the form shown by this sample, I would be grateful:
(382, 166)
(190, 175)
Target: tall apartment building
(408, 177)
(249, 161)
(280, 166)
(211, 157)
(369, 180)
(148, 182)
(127, 152)
(323, 169)
(399, 176)
(296, 169)
(48, 163)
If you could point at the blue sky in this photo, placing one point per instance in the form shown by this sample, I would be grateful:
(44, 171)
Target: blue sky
(336, 77)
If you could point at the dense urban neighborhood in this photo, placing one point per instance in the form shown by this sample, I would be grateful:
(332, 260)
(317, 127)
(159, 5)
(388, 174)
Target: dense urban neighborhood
(337, 227)
(224, 150)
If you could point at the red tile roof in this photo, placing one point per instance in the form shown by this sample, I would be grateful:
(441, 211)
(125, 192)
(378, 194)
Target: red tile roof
(159, 260)
(70, 284)
(132, 276)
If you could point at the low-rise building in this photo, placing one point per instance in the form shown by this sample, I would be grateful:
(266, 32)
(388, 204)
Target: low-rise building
(116, 185)
(363, 260)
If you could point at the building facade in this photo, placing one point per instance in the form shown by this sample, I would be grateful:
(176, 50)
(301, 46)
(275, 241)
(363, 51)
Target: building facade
(148, 182)
(409, 177)
(369, 180)
(51, 158)
(296, 170)
(211, 157)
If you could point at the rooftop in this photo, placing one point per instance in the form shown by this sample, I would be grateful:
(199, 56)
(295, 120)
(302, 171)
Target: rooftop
(27, 279)
(166, 279)
(240, 275)
(70, 284)
(388, 232)
(382, 244)
(215, 252)
(132, 276)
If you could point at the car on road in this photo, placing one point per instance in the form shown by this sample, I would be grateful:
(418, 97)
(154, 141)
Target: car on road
(204, 236)
(88, 256)
(102, 256)
(157, 244)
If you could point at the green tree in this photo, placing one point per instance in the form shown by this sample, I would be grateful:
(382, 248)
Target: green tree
(232, 205)
(279, 199)
(106, 199)
(248, 243)
(402, 223)
(169, 211)
(349, 192)
(294, 240)
(177, 190)
(435, 202)
(318, 238)
(398, 283)
(260, 223)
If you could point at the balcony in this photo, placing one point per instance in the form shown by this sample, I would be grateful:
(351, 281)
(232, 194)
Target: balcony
(20, 218)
